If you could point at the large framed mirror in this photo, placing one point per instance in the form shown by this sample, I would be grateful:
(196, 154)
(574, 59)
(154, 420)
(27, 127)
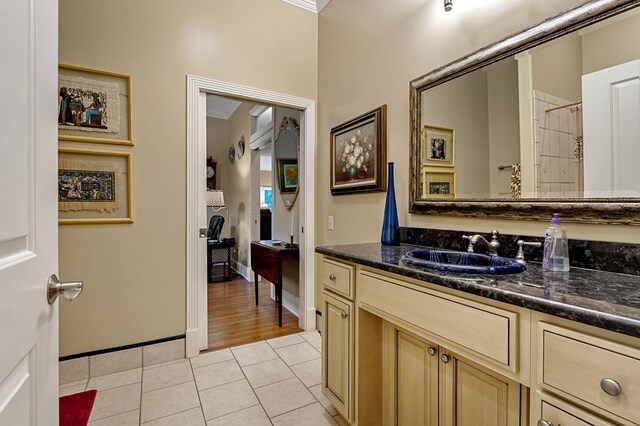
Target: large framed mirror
(287, 149)
(546, 120)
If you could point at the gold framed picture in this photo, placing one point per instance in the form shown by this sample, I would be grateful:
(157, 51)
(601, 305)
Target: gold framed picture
(94, 106)
(438, 184)
(359, 153)
(437, 146)
(94, 187)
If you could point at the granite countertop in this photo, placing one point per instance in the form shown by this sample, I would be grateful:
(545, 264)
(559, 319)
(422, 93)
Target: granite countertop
(602, 299)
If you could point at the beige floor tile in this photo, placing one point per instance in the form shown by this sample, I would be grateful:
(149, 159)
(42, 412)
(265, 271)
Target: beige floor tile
(167, 401)
(74, 384)
(254, 416)
(70, 390)
(191, 417)
(280, 342)
(115, 362)
(168, 375)
(313, 337)
(73, 370)
(296, 354)
(211, 358)
(311, 415)
(164, 364)
(253, 354)
(317, 392)
(281, 397)
(115, 380)
(308, 372)
(217, 374)
(162, 352)
(130, 418)
(227, 399)
(116, 401)
(267, 372)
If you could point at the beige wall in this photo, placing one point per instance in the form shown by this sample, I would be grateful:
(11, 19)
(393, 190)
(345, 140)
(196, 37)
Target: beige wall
(598, 46)
(135, 275)
(462, 105)
(557, 68)
(364, 63)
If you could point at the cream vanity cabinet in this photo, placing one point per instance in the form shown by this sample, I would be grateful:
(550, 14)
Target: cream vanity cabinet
(435, 386)
(338, 337)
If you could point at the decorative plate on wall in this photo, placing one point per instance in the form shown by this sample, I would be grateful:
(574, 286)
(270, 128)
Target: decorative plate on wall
(241, 147)
(232, 155)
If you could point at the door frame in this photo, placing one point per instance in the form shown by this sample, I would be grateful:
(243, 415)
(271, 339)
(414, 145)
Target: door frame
(197, 89)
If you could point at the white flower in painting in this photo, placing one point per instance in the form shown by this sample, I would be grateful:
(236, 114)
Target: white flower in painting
(347, 148)
(352, 160)
(353, 139)
(357, 151)
(344, 170)
(358, 163)
(366, 155)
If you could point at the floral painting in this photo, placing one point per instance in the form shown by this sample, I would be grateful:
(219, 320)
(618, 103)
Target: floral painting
(358, 154)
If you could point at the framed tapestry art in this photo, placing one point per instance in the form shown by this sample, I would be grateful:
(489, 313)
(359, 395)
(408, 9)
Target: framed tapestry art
(437, 146)
(94, 187)
(358, 154)
(94, 106)
(287, 174)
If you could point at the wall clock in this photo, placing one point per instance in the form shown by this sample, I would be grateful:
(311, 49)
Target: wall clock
(211, 173)
(241, 147)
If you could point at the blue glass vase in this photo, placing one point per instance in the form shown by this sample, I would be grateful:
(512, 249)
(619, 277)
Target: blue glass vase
(390, 227)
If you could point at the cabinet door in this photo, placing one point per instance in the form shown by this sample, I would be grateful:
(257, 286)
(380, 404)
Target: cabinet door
(417, 381)
(473, 395)
(337, 352)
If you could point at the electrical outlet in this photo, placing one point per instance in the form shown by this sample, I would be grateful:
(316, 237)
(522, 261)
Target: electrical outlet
(330, 223)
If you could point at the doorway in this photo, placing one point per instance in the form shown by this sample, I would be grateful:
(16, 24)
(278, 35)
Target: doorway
(197, 90)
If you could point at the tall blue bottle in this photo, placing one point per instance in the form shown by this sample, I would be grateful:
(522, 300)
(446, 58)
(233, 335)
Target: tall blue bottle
(390, 227)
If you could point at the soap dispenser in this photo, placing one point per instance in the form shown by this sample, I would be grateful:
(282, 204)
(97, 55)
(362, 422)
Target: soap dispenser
(556, 247)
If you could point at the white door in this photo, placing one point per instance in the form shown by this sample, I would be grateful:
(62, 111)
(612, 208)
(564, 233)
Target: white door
(611, 107)
(28, 212)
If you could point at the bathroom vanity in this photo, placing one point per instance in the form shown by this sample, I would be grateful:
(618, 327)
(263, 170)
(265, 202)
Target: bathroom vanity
(404, 345)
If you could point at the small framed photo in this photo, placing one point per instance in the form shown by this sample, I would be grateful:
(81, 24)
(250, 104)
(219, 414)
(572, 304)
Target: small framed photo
(287, 174)
(437, 146)
(439, 184)
(94, 106)
(94, 187)
(359, 154)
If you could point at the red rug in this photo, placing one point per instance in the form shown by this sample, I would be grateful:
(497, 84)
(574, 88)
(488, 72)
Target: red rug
(75, 409)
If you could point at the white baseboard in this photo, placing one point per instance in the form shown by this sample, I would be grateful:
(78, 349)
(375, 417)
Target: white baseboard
(192, 348)
(243, 270)
(289, 301)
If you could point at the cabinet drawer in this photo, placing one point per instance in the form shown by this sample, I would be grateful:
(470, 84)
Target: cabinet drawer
(558, 412)
(576, 364)
(485, 330)
(337, 277)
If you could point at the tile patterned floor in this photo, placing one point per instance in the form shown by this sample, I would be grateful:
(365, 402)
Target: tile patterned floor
(273, 382)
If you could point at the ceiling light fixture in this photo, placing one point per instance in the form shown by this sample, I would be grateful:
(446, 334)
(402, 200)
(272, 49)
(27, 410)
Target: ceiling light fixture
(448, 5)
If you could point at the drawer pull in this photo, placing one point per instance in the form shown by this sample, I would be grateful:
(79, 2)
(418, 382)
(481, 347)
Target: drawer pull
(544, 423)
(445, 358)
(611, 387)
(431, 351)
(332, 277)
(344, 315)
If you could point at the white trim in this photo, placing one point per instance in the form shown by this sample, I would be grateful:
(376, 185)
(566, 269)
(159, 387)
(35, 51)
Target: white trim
(196, 248)
(243, 270)
(314, 6)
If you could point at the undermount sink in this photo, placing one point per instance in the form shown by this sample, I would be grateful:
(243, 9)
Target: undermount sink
(462, 261)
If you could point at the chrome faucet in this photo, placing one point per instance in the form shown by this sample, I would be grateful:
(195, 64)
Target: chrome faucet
(491, 247)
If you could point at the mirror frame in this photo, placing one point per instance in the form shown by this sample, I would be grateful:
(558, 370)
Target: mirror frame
(595, 210)
(288, 122)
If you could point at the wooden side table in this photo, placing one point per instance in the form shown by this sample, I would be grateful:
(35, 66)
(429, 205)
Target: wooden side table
(267, 259)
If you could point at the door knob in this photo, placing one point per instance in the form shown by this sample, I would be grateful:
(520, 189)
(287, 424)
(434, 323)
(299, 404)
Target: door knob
(69, 290)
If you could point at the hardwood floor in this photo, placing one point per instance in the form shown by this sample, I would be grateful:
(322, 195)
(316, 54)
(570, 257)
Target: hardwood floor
(234, 318)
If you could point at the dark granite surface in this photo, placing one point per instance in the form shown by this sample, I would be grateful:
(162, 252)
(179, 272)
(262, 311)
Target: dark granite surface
(602, 299)
(604, 256)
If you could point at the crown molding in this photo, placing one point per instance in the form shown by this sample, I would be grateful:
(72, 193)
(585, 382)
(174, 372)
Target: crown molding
(314, 6)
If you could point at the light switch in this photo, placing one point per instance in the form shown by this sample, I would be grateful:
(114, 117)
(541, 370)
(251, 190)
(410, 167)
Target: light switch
(330, 223)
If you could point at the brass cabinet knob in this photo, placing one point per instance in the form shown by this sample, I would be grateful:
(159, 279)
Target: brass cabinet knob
(611, 387)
